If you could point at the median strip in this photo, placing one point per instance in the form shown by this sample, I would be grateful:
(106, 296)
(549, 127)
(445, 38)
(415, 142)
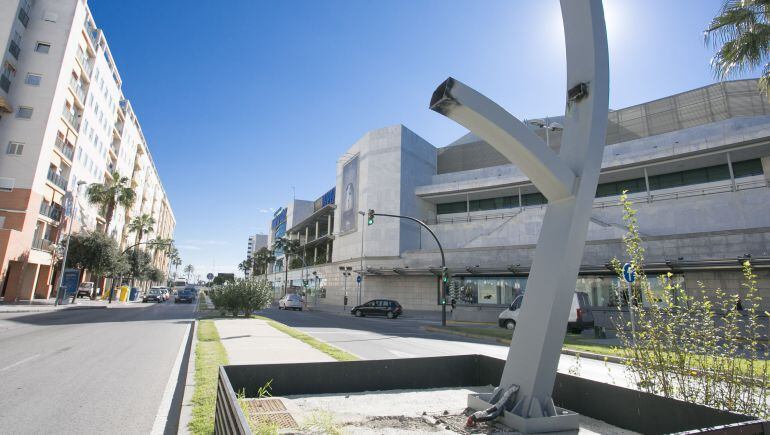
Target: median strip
(332, 351)
(209, 355)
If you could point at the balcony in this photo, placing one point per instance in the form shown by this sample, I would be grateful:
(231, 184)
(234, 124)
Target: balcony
(85, 62)
(119, 126)
(52, 211)
(57, 179)
(72, 118)
(65, 147)
(42, 244)
(77, 88)
(14, 49)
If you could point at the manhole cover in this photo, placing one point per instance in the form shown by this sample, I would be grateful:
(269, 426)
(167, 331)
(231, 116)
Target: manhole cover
(269, 411)
(265, 405)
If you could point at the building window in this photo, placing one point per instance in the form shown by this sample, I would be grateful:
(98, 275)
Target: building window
(15, 148)
(24, 12)
(43, 47)
(24, 112)
(33, 79)
(51, 17)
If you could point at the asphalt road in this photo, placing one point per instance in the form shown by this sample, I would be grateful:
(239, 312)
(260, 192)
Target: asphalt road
(93, 371)
(380, 338)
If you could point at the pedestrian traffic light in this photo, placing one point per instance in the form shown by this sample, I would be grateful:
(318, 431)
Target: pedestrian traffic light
(370, 219)
(445, 275)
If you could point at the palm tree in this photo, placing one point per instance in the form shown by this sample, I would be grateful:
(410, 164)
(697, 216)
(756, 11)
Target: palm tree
(245, 265)
(289, 248)
(174, 260)
(189, 269)
(741, 34)
(261, 258)
(141, 225)
(111, 194)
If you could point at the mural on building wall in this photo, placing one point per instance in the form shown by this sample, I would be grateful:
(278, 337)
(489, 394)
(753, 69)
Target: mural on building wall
(349, 195)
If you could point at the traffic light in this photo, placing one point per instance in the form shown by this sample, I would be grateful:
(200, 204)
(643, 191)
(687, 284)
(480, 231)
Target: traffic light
(370, 219)
(445, 276)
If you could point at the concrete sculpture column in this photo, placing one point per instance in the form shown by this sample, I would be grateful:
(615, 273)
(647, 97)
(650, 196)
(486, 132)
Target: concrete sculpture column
(568, 180)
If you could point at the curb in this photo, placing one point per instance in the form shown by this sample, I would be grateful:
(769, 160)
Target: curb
(571, 352)
(185, 414)
(50, 310)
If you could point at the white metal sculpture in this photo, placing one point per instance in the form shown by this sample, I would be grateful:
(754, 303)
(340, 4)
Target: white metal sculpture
(568, 180)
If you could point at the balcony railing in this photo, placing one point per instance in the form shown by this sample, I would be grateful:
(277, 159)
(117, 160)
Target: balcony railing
(119, 127)
(72, 118)
(41, 244)
(14, 49)
(87, 65)
(5, 83)
(52, 211)
(78, 89)
(57, 179)
(65, 147)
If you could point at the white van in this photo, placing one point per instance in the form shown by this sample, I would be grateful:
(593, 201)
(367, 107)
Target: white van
(580, 315)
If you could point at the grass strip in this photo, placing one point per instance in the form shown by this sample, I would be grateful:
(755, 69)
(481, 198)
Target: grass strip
(332, 351)
(209, 355)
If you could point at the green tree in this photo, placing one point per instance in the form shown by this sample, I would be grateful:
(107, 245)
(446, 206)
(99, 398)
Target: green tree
(110, 194)
(141, 225)
(741, 35)
(174, 259)
(139, 264)
(96, 252)
(155, 275)
(289, 248)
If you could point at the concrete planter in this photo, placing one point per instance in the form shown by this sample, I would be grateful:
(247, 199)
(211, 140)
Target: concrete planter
(622, 407)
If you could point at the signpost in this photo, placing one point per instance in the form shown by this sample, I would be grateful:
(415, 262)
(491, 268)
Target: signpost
(629, 275)
(210, 276)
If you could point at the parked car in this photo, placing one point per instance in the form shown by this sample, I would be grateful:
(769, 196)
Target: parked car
(291, 301)
(154, 295)
(86, 289)
(580, 315)
(378, 307)
(184, 296)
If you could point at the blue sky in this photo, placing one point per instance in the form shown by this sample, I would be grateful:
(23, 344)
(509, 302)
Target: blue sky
(241, 100)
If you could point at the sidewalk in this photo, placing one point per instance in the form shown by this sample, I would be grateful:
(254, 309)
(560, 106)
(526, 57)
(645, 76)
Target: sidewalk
(253, 341)
(47, 305)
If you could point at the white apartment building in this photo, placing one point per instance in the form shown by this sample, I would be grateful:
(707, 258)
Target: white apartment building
(64, 122)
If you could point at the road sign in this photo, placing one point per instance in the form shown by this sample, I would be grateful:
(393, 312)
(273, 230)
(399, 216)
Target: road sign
(70, 283)
(358, 279)
(629, 274)
(210, 276)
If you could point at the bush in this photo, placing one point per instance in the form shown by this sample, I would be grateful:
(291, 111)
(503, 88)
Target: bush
(702, 347)
(242, 295)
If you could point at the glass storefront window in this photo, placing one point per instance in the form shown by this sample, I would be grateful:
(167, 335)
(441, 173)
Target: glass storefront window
(486, 290)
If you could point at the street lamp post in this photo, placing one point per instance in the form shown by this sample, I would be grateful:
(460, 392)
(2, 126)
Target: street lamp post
(444, 272)
(361, 259)
(548, 127)
(74, 199)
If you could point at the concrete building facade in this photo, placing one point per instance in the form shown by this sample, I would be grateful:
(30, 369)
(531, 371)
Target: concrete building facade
(64, 121)
(696, 165)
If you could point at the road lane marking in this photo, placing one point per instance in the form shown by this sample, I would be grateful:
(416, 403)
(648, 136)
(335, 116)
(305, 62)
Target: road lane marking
(19, 362)
(168, 394)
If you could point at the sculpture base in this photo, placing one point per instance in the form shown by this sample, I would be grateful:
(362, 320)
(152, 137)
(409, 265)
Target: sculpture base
(563, 421)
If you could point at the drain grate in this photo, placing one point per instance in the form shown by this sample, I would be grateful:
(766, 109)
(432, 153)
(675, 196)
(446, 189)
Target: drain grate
(269, 411)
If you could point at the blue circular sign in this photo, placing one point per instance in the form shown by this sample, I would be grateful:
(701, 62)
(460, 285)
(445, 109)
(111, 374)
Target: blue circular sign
(358, 279)
(629, 274)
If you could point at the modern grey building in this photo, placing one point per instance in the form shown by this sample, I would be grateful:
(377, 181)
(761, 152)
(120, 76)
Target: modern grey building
(695, 164)
(256, 242)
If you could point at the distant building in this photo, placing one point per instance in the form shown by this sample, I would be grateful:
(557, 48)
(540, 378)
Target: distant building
(64, 120)
(256, 242)
(696, 165)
